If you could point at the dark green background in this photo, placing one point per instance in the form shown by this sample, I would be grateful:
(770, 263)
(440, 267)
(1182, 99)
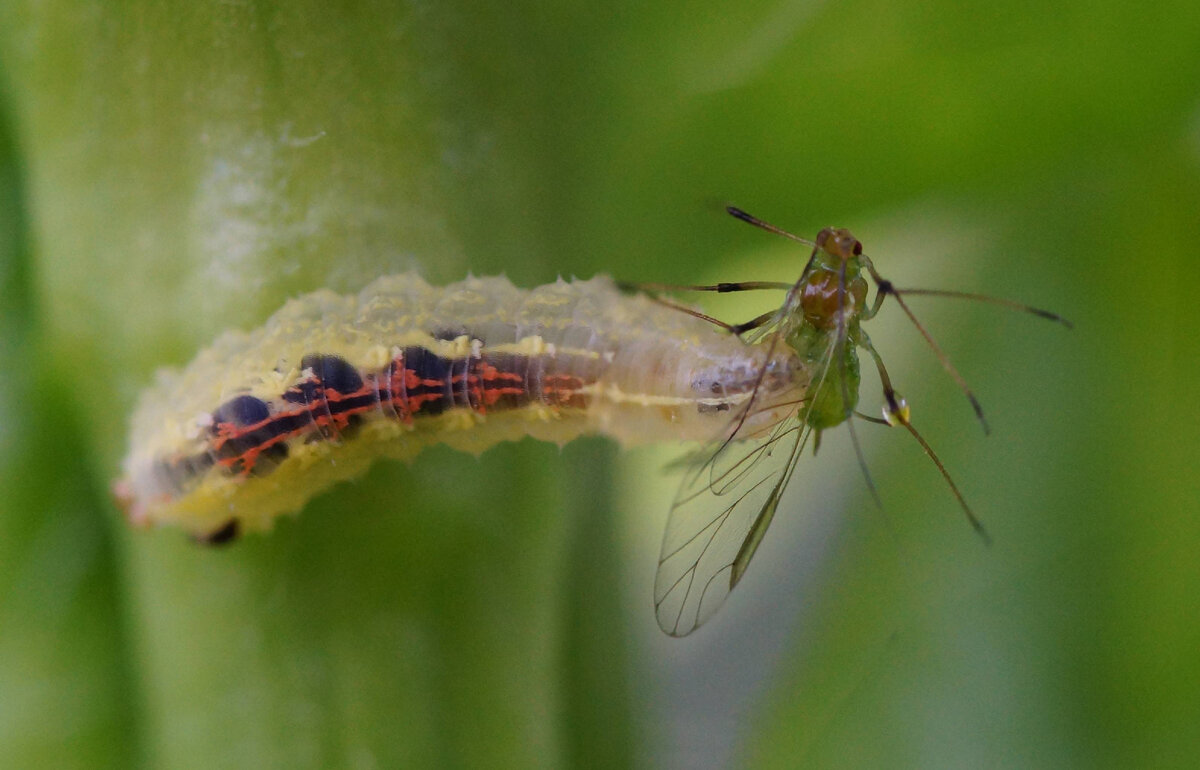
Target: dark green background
(171, 169)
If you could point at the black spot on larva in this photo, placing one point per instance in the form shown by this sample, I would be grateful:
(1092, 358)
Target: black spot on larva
(710, 408)
(329, 372)
(427, 365)
(223, 536)
(334, 372)
(433, 372)
(242, 411)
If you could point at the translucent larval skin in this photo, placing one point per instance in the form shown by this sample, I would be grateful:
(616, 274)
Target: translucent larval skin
(263, 420)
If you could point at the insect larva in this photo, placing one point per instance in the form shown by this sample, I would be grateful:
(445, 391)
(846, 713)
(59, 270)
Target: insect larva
(261, 421)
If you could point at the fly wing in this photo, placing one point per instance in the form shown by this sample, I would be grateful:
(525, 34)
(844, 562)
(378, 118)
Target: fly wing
(719, 516)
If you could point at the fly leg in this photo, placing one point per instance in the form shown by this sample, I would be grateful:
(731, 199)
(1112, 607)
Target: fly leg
(896, 412)
(886, 288)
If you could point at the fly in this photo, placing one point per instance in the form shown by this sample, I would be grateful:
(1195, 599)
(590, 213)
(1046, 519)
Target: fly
(733, 485)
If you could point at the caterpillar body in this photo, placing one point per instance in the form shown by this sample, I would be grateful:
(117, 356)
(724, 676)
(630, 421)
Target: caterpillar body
(261, 421)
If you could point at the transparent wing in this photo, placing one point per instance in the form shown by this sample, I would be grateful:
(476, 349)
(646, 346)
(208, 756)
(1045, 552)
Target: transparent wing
(722, 509)
(727, 501)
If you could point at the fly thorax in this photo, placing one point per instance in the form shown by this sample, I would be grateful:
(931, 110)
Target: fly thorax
(824, 295)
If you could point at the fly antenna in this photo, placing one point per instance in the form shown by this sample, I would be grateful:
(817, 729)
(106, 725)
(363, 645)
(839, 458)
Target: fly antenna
(737, 213)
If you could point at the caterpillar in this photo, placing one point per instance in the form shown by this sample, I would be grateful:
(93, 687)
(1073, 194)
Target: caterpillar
(263, 420)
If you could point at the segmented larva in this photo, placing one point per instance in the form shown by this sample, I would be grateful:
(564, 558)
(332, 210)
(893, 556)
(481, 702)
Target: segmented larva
(263, 420)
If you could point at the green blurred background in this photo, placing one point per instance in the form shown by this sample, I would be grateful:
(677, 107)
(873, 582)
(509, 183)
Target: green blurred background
(170, 169)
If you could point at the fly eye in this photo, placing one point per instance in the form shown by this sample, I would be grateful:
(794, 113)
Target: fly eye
(857, 247)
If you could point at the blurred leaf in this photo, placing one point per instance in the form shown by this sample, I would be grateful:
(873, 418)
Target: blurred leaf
(67, 699)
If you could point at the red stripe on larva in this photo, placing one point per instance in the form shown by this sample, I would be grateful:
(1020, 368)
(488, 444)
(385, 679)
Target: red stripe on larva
(400, 392)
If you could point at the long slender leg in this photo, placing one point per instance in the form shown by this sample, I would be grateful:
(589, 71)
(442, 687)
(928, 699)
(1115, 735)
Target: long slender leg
(722, 288)
(898, 412)
(885, 288)
(754, 323)
(869, 418)
(986, 298)
(735, 329)
(694, 313)
(840, 352)
(897, 407)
